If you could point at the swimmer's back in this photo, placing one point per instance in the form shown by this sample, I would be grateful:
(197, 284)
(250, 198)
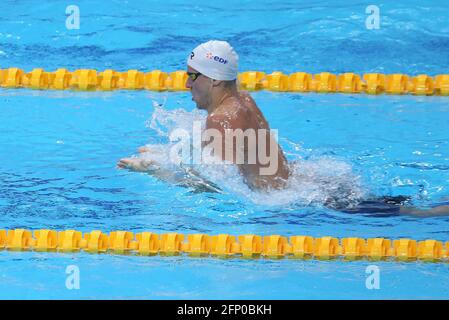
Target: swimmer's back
(243, 113)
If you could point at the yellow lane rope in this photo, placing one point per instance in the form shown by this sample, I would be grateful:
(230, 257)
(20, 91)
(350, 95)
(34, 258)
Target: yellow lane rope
(325, 82)
(248, 246)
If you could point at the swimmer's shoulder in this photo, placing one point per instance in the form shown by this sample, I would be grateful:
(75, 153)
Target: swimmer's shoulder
(246, 97)
(252, 106)
(228, 118)
(231, 108)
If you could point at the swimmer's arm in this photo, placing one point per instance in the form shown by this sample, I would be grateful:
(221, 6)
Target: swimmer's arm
(185, 177)
(147, 166)
(246, 96)
(221, 122)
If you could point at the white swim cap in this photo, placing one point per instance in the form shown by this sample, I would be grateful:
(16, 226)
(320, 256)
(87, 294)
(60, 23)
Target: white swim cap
(215, 59)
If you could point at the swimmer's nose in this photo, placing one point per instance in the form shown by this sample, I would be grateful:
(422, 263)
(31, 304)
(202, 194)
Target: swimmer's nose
(189, 83)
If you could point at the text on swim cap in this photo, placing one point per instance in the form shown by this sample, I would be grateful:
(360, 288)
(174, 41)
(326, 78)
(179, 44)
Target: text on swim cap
(209, 55)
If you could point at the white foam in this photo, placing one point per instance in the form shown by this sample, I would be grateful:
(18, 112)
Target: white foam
(316, 181)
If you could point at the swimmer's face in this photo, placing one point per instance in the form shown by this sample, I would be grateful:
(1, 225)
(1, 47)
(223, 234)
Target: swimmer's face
(200, 88)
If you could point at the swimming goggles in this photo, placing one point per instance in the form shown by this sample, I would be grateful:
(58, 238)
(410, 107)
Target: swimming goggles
(193, 75)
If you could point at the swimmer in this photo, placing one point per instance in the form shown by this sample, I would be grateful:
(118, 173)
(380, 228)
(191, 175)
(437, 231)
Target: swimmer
(212, 79)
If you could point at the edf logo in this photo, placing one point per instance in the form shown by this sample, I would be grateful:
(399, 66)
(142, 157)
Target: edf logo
(209, 55)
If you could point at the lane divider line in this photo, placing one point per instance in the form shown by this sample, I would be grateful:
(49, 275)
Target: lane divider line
(157, 80)
(224, 245)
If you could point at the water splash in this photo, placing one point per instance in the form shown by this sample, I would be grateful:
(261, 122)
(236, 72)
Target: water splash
(317, 181)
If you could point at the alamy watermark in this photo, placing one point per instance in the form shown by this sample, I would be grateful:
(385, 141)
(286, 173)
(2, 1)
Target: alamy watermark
(237, 146)
(73, 277)
(73, 19)
(373, 20)
(373, 279)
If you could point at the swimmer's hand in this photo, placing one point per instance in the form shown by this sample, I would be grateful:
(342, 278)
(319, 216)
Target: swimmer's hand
(184, 176)
(136, 164)
(143, 149)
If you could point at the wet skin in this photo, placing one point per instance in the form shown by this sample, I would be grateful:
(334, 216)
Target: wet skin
(233, 109)
(229, 108)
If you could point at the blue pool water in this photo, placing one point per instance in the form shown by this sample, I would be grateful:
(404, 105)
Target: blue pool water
(59, 149)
